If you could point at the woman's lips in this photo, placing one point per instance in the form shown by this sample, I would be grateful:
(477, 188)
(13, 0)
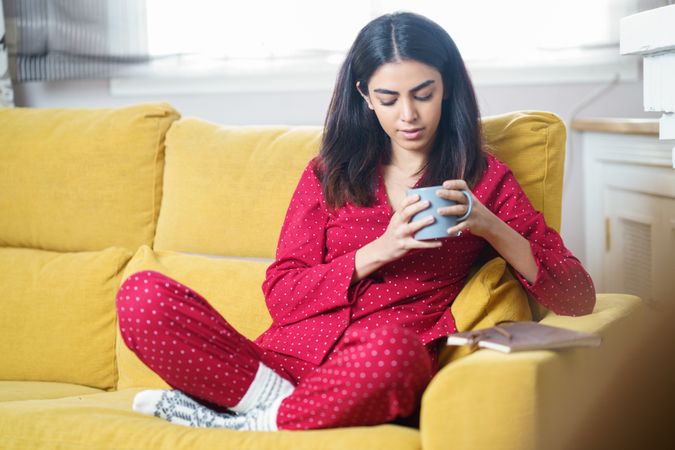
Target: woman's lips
(412, 133)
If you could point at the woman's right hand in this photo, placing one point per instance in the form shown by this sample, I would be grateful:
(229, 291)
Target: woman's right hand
(398, 239)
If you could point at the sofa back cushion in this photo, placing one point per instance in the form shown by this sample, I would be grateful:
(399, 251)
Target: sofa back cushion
(231, 285)
(81, 179)
(226, 189)
(532, 144)
(57, 317)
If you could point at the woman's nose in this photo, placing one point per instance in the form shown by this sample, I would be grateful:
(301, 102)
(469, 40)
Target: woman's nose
(408, 112)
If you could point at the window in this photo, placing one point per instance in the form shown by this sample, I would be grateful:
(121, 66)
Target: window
(241, 45)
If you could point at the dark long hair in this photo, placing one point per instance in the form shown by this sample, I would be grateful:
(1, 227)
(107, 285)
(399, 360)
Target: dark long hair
(354, 143)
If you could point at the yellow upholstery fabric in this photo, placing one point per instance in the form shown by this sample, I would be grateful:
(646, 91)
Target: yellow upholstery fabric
(92, 179)
(527, 400)
(84, 179)
(226, 189)
(107, 422)
(532, 144)
(40, 390)
(491, 294)
(232, 286)
(58, 315)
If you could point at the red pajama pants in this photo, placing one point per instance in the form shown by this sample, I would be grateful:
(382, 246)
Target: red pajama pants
(371, 376)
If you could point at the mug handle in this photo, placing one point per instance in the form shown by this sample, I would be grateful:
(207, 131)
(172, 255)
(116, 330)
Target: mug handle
(469, 198)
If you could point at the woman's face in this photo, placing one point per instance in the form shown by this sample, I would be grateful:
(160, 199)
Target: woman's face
(406, 97)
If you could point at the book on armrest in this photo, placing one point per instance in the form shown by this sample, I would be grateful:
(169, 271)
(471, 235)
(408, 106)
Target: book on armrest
(513, 336)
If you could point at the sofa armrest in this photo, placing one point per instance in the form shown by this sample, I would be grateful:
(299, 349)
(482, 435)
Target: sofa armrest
(531, 399)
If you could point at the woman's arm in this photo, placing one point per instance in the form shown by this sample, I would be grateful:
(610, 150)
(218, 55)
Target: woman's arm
(514, 248)
(299, 284)
(542, 263)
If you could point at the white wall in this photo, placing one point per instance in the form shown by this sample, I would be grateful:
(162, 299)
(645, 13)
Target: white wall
(308, 108)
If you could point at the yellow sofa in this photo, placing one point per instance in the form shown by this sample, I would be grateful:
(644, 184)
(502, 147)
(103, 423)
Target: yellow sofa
(89, 196)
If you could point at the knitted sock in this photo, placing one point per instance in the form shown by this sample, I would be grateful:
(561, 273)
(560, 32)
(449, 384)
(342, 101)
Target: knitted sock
(176, 407)
(257, 409)
(266, 388)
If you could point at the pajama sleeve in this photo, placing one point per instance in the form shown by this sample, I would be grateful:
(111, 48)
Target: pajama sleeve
(300, 283)
(562, 284)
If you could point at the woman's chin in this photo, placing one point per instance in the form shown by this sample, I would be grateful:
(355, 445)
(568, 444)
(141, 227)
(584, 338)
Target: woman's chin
(413, 146)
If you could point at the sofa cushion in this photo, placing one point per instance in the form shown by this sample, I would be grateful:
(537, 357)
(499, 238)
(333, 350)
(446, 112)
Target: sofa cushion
(58, 315)
(81, 179)
(106, 421)
(226, 189)
(40, 390)
(532, 144)
(491, 294)
(232, 286)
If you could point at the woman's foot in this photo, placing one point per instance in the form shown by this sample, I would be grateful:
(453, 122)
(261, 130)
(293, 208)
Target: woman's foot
(176, 407)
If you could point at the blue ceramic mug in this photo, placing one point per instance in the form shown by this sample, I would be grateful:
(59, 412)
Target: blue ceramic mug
(439, 228)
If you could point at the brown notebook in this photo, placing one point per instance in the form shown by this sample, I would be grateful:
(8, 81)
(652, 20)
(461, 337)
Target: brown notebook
(514, 336)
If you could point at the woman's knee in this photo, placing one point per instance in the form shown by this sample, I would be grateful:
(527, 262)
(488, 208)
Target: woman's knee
(395, 351)
(142, 305)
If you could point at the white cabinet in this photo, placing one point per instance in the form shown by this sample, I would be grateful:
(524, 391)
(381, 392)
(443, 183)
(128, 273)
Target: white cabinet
(629, 213)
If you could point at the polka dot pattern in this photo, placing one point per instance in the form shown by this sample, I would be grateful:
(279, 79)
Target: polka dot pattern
(371, 377)
(307, 287)
(175, 332)
(562, 284)
(358, 354)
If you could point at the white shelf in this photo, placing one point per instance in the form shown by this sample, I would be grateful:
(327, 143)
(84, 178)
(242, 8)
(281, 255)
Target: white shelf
(652, 34)
(648, 32)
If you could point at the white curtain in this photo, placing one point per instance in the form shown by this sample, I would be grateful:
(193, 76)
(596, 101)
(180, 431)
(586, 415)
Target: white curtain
(6, 91)
(74, 39)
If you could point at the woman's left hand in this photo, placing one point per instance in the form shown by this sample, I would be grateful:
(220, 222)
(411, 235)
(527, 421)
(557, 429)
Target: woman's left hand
(481, 219)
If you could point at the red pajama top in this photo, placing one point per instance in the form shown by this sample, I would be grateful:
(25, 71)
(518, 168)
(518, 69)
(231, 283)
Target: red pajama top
(307, 288)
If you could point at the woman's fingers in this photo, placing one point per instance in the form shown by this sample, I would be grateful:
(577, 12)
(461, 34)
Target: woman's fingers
(414, 227)
(451, 194)
(453, 231)
(425, 244)
(408, 201)
(455, 184)
(409, 211)
(455, 210)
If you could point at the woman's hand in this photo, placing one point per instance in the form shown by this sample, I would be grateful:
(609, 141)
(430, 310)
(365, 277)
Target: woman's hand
(481, 220)
(398, 239)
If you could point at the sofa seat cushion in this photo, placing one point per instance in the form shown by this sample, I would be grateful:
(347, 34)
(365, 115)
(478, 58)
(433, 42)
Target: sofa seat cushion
(58, 315)
(231, 285)
(40, 390)
(106, 421)
(76, 179)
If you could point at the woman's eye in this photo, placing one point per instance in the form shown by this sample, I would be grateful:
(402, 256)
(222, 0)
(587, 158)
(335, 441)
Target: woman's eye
(425, 98)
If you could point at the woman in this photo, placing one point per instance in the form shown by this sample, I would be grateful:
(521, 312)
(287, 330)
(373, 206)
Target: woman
(360, 308)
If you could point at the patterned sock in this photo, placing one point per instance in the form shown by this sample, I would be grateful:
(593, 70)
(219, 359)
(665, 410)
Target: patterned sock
(267, 387)
(265, 394)
(176, 407)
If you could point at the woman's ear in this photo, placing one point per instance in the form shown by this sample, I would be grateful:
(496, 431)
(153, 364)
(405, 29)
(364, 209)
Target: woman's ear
(365, 97)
